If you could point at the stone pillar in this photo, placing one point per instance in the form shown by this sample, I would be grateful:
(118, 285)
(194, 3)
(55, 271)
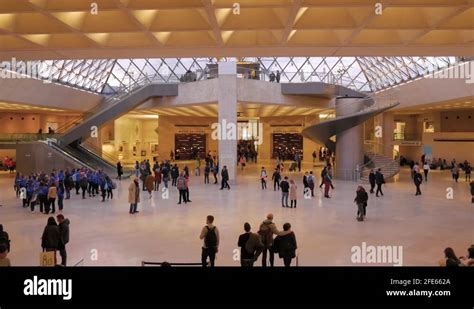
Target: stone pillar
(227, 108)
(350, 143)
(388, 125)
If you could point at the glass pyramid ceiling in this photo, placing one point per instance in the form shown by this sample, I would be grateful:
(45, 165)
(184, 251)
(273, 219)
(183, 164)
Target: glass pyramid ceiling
(359, 73)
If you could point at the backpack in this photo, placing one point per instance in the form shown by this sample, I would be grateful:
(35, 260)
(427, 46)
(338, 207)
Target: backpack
(309, 179)
(211, 238)
(266, 236)
(181, 184)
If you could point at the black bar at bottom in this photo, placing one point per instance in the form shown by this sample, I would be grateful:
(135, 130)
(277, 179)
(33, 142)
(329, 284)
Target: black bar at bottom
(233, 285)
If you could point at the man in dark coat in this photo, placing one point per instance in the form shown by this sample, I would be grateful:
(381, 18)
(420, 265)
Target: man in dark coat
(379, 180)
(225, 178)
(417, 179)
(63, 227)
(372, 180)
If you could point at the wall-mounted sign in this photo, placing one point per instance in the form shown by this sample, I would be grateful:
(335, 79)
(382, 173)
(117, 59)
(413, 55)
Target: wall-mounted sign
(410, 143)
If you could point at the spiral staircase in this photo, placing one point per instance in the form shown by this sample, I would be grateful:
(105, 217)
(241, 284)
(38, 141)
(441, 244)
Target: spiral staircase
(324, 131)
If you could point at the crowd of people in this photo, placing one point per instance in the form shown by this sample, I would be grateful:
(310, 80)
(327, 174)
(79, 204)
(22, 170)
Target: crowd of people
(44, 190)
(8, 164)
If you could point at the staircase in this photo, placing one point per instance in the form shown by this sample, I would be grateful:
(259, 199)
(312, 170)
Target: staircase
(389, 167)
(68, 137)
(323, 132)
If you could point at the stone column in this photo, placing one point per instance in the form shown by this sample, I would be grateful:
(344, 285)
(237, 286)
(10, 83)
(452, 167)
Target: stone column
(350, 143)
(388, 125)
(227, 107)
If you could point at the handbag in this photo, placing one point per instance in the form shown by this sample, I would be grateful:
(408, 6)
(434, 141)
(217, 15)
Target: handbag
(48, 258)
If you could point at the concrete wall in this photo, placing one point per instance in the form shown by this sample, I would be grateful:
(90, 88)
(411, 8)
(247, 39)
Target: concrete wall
(29, 122)
(248, 91)
(38, 157)
(451, 150)
(457, 121)
(429, 90)
(36, 92)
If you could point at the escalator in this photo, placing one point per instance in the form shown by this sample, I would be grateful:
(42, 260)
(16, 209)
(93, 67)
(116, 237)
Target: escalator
(69, 136)
(84, 157)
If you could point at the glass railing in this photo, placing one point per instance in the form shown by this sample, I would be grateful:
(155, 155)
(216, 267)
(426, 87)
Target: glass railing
(25, 137)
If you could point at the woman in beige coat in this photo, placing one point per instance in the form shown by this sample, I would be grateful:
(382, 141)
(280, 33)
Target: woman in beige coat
(150, 183)
(293, 194)
(134, 195)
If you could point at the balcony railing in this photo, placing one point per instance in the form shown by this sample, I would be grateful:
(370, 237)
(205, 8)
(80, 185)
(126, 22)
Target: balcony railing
(406, 137)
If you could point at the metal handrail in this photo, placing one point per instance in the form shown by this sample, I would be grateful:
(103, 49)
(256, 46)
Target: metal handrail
(81, 261)
(96, 150)
(363, 169)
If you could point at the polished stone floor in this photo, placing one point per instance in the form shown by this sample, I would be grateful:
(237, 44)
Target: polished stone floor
(326, 229)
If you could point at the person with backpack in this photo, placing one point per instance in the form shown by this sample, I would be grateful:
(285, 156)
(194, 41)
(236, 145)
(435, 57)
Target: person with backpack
(285, 191)
(63, 227)
(266, 231)
(286, 245)
(417, 179)
(4, 238)
(361, 200)
(251, 246)
(181, 186)
(210, 236)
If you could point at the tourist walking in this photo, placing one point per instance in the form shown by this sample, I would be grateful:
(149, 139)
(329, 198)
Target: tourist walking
(134, 195)
(379, 180)
(361, 200)
(372, 180)
(263, 178)
(417, 179)
(285, 189)
(225, 178)
(293, 193)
